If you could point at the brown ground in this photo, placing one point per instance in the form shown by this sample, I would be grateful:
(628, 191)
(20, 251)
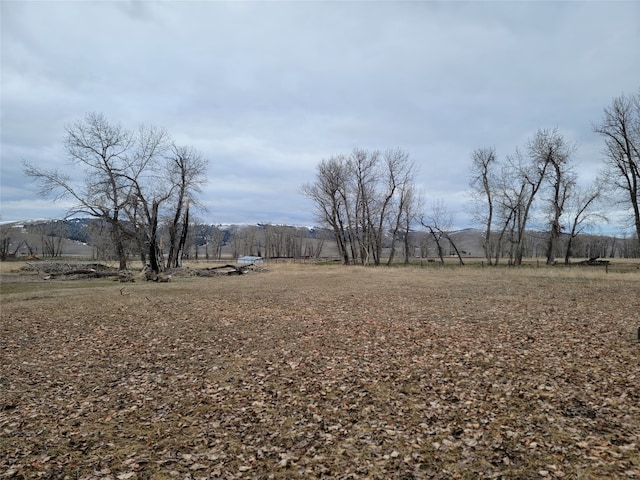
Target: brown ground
(323, 372)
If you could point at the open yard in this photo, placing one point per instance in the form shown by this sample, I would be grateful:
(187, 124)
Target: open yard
(323, 372)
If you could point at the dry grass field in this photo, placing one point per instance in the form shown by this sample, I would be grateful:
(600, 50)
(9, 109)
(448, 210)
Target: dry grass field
(323, 372)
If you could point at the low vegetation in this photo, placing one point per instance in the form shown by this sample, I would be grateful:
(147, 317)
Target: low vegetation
(323, 372)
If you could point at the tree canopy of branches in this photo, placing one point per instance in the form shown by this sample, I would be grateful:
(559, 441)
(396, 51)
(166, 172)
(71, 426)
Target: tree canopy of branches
(507, 192)
(439, 223)
(482, 185)
(620, 128)
(581, 212)
(130, 180)
(365, 199)
(551, 157)
(504, 192)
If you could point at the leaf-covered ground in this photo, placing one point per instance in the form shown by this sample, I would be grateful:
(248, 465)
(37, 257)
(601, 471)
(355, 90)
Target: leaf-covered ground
(324, 372)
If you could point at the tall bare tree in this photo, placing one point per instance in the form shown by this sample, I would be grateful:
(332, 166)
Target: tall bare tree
(329, 197)
(363, 174)
(543, 151)
(507, 199)
(482, 185)
(124, 181)
(399, 199)
(361, 198)
(439, 223)
(149, 189)
(519, 195)
(187, 171)
(620, 128)
(581, 212)
(551, 157)
(100, 151)
(410, 205)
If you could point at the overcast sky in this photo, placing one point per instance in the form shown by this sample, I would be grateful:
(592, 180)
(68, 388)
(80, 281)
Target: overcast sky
(266, 90)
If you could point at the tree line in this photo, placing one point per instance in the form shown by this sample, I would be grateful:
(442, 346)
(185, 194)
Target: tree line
(57, 238)
(367, 198)
(206, 242)
(141, 187)
(506, 191)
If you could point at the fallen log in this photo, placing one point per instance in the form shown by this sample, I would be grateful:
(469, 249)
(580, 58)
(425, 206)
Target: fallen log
(231, 270)
(594, 262)
(88, 273)
(150, 275)
(79, 271)
(111, 274)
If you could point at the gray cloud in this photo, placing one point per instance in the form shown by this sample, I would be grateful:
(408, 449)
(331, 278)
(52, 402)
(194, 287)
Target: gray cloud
(267, 89)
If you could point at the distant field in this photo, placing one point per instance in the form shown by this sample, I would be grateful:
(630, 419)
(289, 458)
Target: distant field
(323, 372)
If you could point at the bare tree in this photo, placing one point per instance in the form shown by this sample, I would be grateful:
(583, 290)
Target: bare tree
(5, 241)
(520, 183)
(214, 236)
(248, 236)
(363, 175)
(316, 243)
(482, 185)
(410, 204)
(507, 201)
(505, 192)
(187, 172)
(420, 240)
(126, 182)
(620, 127)
(542, 151)
(100, 239)
(551, 157)
(328, 194)
(52, 236)
(439, 224)
(236, 241)
(100, 151)
(149, 189)
(581, 212)
(362, 198)
(398, 199)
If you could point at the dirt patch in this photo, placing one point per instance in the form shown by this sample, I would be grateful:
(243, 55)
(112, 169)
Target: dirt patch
(324, 372)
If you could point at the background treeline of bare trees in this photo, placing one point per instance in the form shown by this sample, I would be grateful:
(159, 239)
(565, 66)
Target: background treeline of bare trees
(132, 181)
(368, 198)
(92, 237)
(140, 187)
(541, 179)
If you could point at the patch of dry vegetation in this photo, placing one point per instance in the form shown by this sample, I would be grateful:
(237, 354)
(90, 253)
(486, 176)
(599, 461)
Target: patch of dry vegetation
(324, 372)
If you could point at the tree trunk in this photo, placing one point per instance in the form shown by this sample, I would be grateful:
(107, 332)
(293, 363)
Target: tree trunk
(436, 237)
(553, 242)
(183, 236)
(567, 254)
(455, 248)
(156, 265)
(116, 235)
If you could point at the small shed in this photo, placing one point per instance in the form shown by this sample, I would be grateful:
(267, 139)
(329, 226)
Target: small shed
(250, 259)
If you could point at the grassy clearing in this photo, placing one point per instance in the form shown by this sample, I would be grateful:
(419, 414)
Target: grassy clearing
(325, 372)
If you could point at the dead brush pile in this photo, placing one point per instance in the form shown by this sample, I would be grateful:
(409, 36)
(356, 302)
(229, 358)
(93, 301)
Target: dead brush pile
(60, 268)
(325, 372)
(217, 271)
